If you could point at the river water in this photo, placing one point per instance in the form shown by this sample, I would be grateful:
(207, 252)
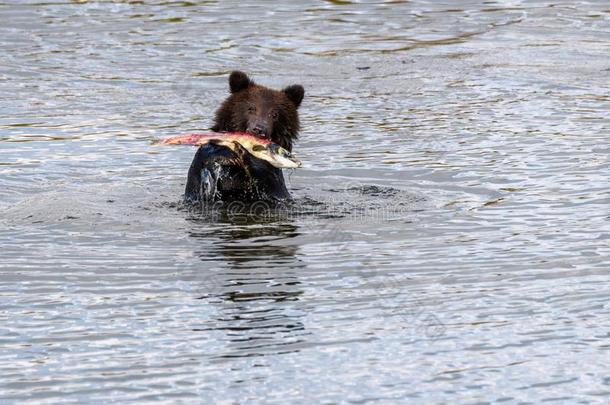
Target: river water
(449, 241)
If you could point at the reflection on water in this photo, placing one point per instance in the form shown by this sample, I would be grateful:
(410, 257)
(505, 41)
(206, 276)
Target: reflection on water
(255, 293)
(449, 240)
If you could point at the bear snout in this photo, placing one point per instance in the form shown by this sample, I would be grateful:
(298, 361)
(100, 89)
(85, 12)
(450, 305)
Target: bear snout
(259, 129)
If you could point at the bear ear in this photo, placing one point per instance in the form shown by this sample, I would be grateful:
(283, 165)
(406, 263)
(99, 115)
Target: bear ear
(239, 81)
(295, 93)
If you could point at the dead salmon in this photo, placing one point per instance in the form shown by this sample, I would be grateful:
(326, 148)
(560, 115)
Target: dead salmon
(261, 148)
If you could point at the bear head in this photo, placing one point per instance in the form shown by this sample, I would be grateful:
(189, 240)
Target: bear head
(260, 111)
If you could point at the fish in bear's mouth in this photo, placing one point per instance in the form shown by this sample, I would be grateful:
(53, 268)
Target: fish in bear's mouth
(262, 148)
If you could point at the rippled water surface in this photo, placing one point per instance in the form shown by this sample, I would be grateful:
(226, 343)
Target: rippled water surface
(449, 241)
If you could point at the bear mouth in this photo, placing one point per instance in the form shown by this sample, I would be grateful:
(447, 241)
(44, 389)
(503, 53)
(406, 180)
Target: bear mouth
(261, 136)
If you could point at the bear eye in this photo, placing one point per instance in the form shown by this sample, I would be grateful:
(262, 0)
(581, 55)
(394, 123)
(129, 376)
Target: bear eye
(251, 109)
(274, 114)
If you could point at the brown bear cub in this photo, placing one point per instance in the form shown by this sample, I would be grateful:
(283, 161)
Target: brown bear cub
(218, 173)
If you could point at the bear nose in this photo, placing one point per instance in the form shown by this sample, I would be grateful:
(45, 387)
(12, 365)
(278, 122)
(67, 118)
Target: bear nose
(259, 130)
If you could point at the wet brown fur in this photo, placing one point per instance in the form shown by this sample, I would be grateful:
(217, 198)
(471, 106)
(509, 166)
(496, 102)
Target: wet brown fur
(252, 107)
(236, 174)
